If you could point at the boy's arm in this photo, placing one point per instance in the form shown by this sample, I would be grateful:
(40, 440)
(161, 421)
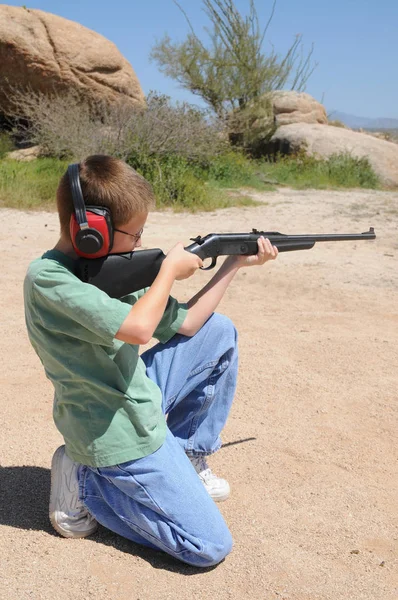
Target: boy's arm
(203, 304)
(144, 317)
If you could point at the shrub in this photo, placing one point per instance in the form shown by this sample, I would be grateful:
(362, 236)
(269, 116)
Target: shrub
(252, 127)
(337, 123)
(339, 170)
(29, 185)
(158, 141)
(6, 144)
(173, 179)
(229, 169)
(65, 126)
(351, 171)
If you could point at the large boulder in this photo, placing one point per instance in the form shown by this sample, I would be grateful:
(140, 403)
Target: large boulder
(253, 126)
(297, 107)
(48, 53)
(325, 141)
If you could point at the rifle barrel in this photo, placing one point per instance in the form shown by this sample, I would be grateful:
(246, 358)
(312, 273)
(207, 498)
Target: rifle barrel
(367, 235)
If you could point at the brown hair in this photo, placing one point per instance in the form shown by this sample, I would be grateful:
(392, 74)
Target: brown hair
(110, 182)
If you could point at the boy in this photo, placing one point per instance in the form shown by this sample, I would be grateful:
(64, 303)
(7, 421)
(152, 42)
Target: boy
(123, 465)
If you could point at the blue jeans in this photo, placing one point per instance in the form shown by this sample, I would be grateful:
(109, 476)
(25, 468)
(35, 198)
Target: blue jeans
(158, 500)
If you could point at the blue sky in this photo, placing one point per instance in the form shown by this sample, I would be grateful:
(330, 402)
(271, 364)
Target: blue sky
(356, 42)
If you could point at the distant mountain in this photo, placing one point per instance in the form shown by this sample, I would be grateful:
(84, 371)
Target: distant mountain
(362, 122)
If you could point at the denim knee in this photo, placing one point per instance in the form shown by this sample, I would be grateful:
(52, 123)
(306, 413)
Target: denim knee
(222, 325)
(216, 551)
(225, 547)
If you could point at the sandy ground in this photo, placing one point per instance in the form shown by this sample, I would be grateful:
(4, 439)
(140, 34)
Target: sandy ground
(310, 448)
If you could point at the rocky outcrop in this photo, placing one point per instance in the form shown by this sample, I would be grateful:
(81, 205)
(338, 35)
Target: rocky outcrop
(25, 154)
(297, 107)
(325, 141)
(48, 53)
(253, 126)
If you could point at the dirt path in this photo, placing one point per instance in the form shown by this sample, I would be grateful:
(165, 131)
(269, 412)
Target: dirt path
(310, 448)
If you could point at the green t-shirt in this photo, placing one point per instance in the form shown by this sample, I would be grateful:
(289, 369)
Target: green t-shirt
(105, 406)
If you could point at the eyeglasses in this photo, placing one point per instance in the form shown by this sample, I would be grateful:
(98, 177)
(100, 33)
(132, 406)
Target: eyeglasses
(136, 236)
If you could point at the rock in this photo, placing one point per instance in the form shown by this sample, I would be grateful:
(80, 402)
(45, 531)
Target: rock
(25, 154)
(389, 136)
(47, 53)
(297, 107)
(325, 141)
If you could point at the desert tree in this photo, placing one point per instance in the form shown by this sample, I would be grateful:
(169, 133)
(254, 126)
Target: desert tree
(230, 68)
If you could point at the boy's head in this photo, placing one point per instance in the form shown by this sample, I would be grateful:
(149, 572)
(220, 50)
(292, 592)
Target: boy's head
(110, 182)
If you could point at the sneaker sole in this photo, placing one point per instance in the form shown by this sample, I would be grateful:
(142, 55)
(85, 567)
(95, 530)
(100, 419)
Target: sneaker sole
(219, 497)
(54, 491)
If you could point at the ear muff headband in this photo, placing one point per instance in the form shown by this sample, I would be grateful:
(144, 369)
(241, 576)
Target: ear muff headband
(91, 230)
(77, 195)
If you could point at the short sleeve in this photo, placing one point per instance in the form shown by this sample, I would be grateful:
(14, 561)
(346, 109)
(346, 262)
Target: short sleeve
(65, 304)
(134, 296)
(172, 319)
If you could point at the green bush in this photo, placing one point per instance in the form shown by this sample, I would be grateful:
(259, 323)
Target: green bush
(231, 167)
(173, 180)
(230, 170)
(339, 170)
(187, 184)
(6, 144)
(350, 171)
(182, 184)
(252, 127)
(29, 185)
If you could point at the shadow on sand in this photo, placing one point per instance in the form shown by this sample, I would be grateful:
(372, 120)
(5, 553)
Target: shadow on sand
(24, 500)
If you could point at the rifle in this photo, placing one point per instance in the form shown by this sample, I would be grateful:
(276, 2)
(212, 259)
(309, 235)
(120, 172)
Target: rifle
(122, 274)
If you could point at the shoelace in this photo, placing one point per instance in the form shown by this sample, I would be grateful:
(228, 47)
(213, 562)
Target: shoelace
(207, 475)
(202, 468)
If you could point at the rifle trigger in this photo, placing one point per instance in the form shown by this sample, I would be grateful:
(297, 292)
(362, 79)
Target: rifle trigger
(211, 265)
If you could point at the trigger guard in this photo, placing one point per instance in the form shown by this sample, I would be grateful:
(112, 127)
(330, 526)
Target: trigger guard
(211, 266)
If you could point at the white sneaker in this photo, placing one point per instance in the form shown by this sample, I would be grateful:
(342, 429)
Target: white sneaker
(217, 488)
(68, 516)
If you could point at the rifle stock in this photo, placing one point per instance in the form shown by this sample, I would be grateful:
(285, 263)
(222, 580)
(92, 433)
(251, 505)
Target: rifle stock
(122, 274)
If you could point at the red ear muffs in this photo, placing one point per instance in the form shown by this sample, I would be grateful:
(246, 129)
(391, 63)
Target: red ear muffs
(91, 231)
(95, 240)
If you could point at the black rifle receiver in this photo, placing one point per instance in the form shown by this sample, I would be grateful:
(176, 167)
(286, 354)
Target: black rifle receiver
(122, 274)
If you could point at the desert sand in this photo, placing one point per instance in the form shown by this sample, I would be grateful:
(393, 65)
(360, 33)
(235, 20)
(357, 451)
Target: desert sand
(310, 448)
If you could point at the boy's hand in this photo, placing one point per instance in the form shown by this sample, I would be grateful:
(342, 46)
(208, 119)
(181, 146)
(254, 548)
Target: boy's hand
(266, 252)
(183, 263)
